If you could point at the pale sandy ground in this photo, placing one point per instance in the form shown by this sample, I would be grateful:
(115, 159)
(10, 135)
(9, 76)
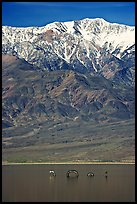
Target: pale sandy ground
(124, 162)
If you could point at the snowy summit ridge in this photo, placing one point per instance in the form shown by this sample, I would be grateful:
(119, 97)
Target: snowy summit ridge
(75, 44)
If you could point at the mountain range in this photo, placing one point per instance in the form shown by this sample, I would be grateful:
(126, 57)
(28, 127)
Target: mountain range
(65, 77)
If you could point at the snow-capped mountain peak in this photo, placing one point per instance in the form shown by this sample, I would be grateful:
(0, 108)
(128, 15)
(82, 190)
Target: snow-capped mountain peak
(77, 44)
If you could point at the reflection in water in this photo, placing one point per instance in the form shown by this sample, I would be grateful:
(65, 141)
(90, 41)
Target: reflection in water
(106, 177)
(72, 188)
(51, 179)
(72, 179)
(33, 183)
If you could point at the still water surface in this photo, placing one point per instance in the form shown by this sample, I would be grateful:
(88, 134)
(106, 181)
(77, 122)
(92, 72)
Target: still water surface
(32, 183)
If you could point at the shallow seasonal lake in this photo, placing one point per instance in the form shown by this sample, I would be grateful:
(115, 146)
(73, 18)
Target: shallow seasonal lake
(33, 183)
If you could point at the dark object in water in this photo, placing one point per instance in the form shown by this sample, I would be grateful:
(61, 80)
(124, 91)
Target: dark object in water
(106, 174)
(90, 174)
(72, 172)
(52, 173)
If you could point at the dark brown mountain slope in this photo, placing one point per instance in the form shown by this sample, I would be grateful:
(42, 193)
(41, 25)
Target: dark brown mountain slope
(41, 107)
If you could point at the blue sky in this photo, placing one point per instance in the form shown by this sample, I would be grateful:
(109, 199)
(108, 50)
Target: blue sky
(23, 14)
